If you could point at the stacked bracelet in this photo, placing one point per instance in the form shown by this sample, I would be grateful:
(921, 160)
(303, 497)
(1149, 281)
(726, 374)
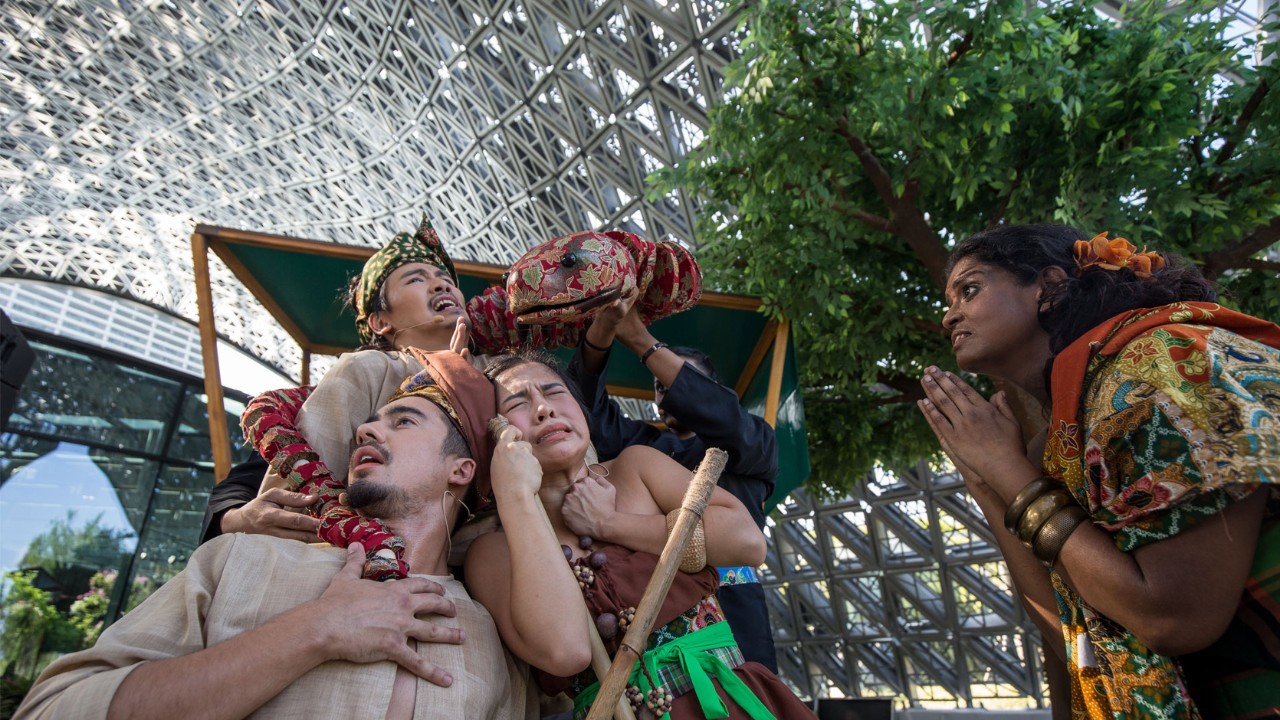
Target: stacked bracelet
(1054, 532)
(1024, 498)
(656, 347)
(1039, 512)
(1042, 516)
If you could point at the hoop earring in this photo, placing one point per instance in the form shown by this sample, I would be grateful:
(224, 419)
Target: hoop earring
(587, 466)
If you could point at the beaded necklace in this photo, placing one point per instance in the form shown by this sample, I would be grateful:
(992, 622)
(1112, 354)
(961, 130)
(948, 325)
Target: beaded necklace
(658, 701)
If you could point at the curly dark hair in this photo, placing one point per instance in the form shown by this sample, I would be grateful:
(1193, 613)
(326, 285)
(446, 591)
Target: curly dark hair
(1085, 298)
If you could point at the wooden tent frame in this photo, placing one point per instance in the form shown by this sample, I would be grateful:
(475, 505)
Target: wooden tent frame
(220, 240)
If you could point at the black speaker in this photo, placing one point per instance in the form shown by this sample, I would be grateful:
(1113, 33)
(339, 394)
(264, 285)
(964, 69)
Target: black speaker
(16, 357)
(855, 708)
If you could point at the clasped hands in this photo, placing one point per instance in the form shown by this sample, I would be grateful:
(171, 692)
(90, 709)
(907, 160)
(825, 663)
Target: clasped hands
(982, 437)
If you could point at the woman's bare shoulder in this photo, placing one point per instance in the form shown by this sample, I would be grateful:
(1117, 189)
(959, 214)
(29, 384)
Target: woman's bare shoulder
(487, 547)
(639, 454)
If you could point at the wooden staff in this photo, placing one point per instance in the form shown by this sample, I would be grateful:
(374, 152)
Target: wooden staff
(599, 655)
(695, 502)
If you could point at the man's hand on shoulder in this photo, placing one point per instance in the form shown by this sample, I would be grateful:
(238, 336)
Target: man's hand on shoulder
(364, 621)
(268, 514)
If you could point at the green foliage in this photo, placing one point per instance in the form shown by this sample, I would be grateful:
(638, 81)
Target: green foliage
(34, 631)
(89, 609)
(64, 546)
(857, 142)
(40, 625)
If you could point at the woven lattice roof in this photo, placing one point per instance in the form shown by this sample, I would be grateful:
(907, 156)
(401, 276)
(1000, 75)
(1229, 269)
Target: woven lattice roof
(509, 122)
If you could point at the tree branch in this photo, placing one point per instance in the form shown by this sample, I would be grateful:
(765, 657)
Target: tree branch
(905, 219)
(1237, 254)
(906, 386)
(875, 221)
(1242, 122)
(879, 177)
(964, 46)
(1238, 133)
(1260, 264)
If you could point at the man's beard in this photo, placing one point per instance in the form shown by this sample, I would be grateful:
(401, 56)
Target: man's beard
(373, 499)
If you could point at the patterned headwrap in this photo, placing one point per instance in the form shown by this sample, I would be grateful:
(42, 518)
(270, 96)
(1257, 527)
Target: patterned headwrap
(466, 396)
(423, 246)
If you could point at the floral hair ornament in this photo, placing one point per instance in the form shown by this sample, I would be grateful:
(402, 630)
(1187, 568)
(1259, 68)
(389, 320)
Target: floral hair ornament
(1115, 254)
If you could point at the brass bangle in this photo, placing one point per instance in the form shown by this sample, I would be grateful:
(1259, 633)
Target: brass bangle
(1023, 499)
(694, 557)
(1039, 512)
(1053, 534)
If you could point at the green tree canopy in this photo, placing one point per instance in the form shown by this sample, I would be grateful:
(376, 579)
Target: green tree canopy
(858, 141)
(73, 554)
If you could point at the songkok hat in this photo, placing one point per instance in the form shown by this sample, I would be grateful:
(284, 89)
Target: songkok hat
(466, 396)
(422, 246)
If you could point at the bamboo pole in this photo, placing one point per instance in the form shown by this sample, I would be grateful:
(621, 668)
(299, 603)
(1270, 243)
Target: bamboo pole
(600, 666)
(695, 502)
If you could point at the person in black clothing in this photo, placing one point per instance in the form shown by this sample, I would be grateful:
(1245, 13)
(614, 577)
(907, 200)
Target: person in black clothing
(240, 488)
(699, 413)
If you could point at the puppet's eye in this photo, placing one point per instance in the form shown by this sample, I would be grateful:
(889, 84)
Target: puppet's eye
(569, 260)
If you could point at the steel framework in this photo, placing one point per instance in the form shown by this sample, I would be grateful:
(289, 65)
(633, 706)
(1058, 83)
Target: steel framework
(899, 591)
(509, 121)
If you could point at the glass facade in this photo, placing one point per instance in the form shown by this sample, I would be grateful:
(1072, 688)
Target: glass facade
(105, 471)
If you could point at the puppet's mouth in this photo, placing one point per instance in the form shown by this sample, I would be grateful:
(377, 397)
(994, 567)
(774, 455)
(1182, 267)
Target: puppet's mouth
(542, 314)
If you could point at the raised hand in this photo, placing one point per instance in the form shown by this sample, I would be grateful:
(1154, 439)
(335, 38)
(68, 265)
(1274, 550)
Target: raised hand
(268, 514)
(514, 467)
(607, 323)
(460, 343)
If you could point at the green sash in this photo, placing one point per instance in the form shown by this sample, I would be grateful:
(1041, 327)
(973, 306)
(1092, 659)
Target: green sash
(693, 653)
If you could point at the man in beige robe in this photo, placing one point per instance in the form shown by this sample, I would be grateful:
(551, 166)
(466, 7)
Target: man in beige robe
(267, 627)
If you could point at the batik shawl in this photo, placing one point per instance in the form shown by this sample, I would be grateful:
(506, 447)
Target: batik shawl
(1161, 417)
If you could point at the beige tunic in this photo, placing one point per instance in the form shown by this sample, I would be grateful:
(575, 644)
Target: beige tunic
(238, 582)
(353, 389)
